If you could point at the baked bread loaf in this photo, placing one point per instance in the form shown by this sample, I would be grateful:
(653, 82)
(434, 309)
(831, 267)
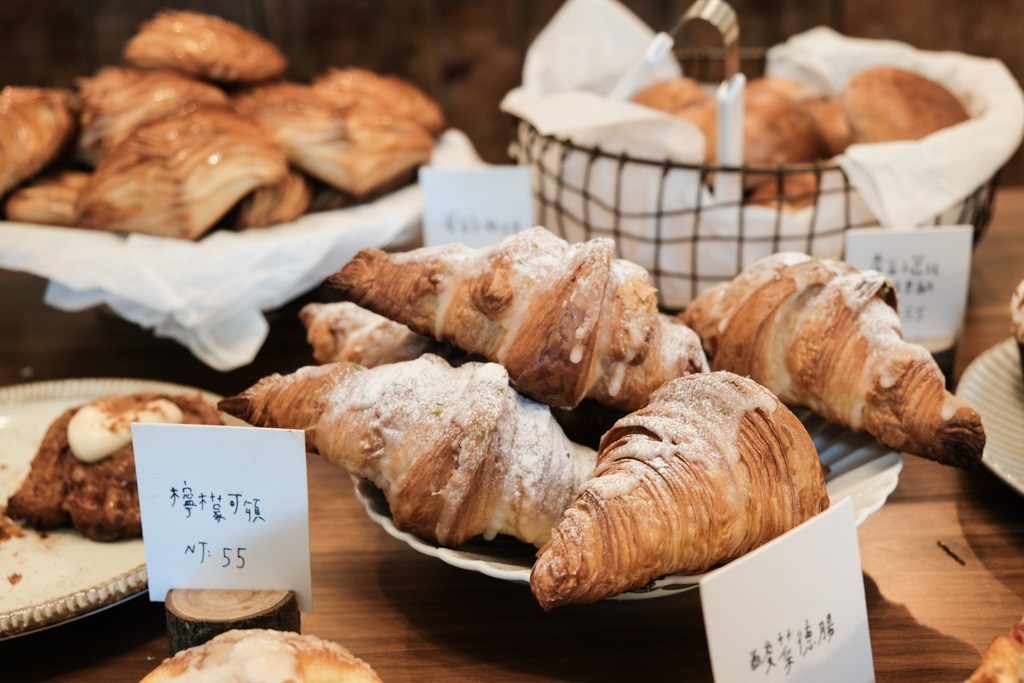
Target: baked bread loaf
(266, 656)
(672, 96)
(356, 149)
(204, 46)
(886, 103)
(711, 468)
(84, 470)
(822, 334)
(35, 126)
(566, 321)
(788, 191)
(456, 451)
(345, 332)
(177, 176)
(47, 200)
(398, 98)
(1003, 662)
(116, 101)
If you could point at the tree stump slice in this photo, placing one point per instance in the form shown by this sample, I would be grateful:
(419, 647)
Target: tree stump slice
(194, 616)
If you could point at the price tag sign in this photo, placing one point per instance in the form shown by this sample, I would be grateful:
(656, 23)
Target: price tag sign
(929, 267)
(223, 507)
(477, 207)
(792, 610)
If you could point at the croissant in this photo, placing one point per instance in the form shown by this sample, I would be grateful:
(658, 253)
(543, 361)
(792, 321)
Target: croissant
(355, 149)
(35, 124)
(456, 451)
(177, 176)
(203, 46)
(567, 321)
(116, 101)
(48, 200)
(712, 467)
(821, 334)
(342, 331)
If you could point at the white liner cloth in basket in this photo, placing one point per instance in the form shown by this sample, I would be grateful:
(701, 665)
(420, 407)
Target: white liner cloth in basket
(210, 295)
(664, 218)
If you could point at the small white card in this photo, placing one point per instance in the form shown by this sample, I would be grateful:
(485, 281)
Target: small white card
(477, 207)
(792, 610)
(223, 507)
(930, 268)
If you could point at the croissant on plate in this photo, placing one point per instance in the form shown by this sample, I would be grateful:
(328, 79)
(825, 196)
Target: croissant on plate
(822, 334)
(342, 331)
(204, 46)
(712, 467)
(567, 321)
(456, 451)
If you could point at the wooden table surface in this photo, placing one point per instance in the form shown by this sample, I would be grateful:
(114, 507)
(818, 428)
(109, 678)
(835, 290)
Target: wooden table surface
(414, 618)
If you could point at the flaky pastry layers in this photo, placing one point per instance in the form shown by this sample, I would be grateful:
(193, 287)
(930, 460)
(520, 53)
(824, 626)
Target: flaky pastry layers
(116, 101)
(272, 204)
(712, 467)
(48, 200)
(204, 46)
(177, 176)
(356, 149)
(267, 656)
(1003, 662)
(345, 332)
(101, 499)
(35, 125)
(354, 87)
(456, 451)
(567, 321)
(822, 334)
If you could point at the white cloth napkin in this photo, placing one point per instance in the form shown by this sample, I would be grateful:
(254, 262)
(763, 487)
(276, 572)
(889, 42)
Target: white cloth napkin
(210, 295)
(907, 183)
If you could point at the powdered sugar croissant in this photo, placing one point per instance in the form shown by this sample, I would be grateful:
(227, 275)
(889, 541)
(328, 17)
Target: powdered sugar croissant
(456, 451)
(821, 334)
(714, 466)
(567, 321)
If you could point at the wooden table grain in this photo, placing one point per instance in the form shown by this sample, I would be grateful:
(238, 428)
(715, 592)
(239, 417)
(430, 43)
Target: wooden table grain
(943, 560)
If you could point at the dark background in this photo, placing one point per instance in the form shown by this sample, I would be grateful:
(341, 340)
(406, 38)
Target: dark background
(469, 53)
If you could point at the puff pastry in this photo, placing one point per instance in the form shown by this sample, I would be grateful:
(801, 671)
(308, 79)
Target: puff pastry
(394, 96)
(714, 466)
(116, 101)
(355, 149)
(567, 321)
(48, 200)
(1003, 662)
(821, 334)
(204, 46)
(35, 125)
(267, 656)
(177, 176)
(456, 451)
(272, 204)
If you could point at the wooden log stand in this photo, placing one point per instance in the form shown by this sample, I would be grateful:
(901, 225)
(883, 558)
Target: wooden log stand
(194, 616)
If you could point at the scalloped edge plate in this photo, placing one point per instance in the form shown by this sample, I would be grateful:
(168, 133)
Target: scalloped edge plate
(858, 468)
(992, 383)
(55, 577)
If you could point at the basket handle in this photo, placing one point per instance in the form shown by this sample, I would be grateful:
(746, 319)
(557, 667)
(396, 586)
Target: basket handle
(717, 13)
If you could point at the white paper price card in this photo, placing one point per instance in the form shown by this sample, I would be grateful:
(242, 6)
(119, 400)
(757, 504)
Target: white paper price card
(792, 610)
(223, 507)
(929, 267)
(476, 206)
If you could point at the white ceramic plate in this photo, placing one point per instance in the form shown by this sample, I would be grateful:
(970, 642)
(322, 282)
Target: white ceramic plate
(51, 578)
(858, 467)
(993, 385)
